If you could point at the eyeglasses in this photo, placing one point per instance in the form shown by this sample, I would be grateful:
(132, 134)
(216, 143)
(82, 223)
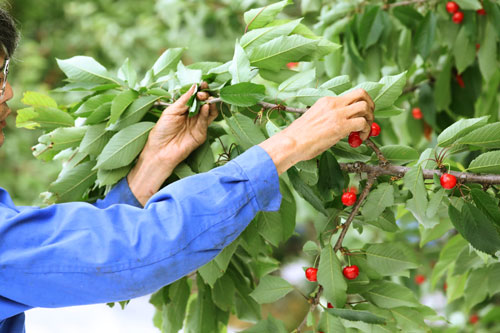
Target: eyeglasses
(3, 81)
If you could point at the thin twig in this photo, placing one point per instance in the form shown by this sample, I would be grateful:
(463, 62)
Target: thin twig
(265, 105)
(354, 212)
(381, 158)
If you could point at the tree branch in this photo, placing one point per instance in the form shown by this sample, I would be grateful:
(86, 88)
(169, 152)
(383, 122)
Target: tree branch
(355, 209)
(400, 171)
(265, 105)
(381, 158)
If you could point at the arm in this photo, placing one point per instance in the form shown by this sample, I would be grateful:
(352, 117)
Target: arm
(75, 253)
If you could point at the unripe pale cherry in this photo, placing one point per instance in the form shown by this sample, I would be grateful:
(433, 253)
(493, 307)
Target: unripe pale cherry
(351, 272)
(312, 274)
(448, 181)
(354, 140)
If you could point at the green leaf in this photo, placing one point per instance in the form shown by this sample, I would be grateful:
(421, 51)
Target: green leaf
(269, 325)
(269, 224)
(276, 53)
(408, 16)
(370, 26)
(167, 61)
(388, 112)
(111, 177)
(486, 136)
(308, 171)
(124, 146)
(390, 258)
(299, 80)
(63, 137)
(240, 67)
(390, 295)
(355, 315)
(259, 17)
(120, 104)
(260, 36)
(469, 4)
(464, 50)
(467, 260)
(488, 52)
(99, 115)
(202, 159)
(306, 191)
(46, 118)
(71, 185)
(243, 94)
(435, 202)
(201, 315)
(486, 163)
(330, 324)
(175, 311)
(127, 73)
(409, 320)
(405, 53)
(476, 228)
(247, 134)
(134, 113)
(377, 201)
(84, 69)
(223, 293)
(338, 84)
(93, 103)
(187, 76)
(386, 221)
(398, 154)
(425, 35)
(392, 89)
(270, 289)
(330, 174)
(96, 137)
(476, 289)
(372, 88)
(311, 248)
(487, 204)
(33, 98)
(309, 96)
(442, 89)
(331, 278)
(458, 129)
(447, 257)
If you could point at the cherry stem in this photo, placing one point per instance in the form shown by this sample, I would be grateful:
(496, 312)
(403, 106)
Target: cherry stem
(381, 158)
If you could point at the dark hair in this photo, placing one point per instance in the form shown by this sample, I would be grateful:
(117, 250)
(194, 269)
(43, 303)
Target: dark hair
(9, 35)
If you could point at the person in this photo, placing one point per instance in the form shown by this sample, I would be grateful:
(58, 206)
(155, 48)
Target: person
(140, 237)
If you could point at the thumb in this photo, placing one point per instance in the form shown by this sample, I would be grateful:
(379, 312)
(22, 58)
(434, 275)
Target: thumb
(185, 98)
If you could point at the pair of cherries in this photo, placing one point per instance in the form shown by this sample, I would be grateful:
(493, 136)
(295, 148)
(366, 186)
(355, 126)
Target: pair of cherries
(355, 140)
(350, 272)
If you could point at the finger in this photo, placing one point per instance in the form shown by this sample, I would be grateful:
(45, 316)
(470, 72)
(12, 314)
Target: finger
(202, 95)
(360, 125)
(359, 95)
(202, 119)
(205, 111)
(360, 109)
(214, 113)
(185, 98)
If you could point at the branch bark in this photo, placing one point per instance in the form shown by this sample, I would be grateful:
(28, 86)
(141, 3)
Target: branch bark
(400, 171)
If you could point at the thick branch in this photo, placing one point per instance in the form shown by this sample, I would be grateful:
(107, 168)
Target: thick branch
(400, 171)
(355, 209)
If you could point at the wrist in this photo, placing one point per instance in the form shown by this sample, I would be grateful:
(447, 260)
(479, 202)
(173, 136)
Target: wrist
(283, 149)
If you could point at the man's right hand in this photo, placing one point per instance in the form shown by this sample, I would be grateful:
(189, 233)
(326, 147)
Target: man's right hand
(328, 121)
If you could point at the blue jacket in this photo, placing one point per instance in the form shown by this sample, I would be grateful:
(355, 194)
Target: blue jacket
(78, 253)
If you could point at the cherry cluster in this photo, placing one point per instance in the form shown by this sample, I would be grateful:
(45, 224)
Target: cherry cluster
(350, 273)
(457, 16)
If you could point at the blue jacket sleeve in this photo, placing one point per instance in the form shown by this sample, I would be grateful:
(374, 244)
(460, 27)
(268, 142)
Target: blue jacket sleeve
(77, 253)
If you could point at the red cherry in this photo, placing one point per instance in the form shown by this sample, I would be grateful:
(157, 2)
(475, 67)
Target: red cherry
(460, 81)
(473, 319)
(349, 198)
(457, 17)
(329, 305)
(481, 11)
(375, 130)
(478, 46)
(419, 279)
(355, 140)
(417, 113)
(452, 7)
(292, 65)
(312, 274)
(448, 181)
(445, 286)
(353, 189)
(351, 272)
